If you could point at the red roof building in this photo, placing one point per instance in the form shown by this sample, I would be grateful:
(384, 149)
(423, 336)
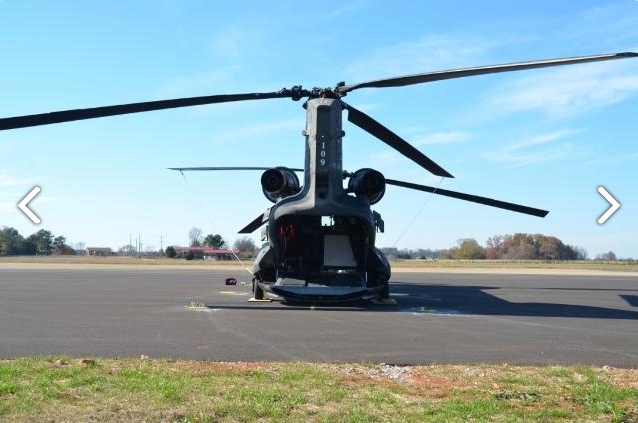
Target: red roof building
(208, 253)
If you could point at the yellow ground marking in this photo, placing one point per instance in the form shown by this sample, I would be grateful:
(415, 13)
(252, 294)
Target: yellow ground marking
(233, 293)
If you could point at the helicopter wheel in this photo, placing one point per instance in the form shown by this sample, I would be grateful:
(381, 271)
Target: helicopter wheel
(384, 294)
(258, 293)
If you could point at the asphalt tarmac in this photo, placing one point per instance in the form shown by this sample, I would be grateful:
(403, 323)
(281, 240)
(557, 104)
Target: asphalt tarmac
(438, 318)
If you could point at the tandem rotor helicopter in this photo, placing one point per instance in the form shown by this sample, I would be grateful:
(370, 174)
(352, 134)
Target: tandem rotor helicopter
(321, 235)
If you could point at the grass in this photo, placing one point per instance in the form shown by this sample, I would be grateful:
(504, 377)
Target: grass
(587, 265)
(45, 389)
(117, 261)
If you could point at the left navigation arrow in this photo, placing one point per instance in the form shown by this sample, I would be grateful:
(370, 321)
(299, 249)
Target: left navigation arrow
(22, 205)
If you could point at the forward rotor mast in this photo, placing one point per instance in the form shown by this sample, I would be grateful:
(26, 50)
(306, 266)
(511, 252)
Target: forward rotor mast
(324, 154)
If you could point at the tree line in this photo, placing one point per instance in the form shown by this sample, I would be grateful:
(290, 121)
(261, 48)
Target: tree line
(518, 246)
(43, 242)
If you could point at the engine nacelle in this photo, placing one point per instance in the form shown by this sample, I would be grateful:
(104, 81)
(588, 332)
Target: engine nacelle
(368, 183)
(278, 183)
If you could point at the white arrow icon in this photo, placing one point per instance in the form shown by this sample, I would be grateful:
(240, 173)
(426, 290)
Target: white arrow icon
(23, 205)
(615, 205)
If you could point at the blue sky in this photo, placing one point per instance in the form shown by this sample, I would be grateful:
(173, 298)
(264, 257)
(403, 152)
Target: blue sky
(544, 138)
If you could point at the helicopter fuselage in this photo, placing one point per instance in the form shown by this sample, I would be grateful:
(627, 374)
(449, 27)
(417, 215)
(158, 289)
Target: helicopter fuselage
(321, 240)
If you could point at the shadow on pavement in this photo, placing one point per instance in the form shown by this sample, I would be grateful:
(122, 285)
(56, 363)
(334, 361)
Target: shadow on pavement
(450, 299)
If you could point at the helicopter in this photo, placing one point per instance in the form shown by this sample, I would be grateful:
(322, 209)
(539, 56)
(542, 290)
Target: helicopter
(321, 234)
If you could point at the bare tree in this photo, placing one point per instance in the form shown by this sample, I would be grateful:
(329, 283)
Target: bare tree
(195, 237)
(246, 246)
(608, 256)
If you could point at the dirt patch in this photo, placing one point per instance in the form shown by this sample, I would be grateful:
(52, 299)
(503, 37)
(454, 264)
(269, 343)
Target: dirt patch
(199, 367)
(627, 378)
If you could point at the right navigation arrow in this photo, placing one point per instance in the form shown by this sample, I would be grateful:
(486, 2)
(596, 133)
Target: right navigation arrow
(615, 205)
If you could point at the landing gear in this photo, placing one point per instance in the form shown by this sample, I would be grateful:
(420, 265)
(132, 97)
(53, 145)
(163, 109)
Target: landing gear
(377, 278)
(258, 293)
(384, 294)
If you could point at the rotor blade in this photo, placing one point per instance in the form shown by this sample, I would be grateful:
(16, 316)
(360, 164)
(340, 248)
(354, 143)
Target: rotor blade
(189, 169)
(473, 198)
(122, 109)
(480, 70)
(373, 127)
(255, 224)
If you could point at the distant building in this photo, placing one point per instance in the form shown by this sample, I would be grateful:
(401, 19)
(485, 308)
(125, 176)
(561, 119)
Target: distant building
(98, 251)
(208, 253)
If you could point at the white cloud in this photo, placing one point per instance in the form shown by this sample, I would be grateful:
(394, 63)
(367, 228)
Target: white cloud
(429, 53)
(450, 137)
(345, 9)
(203, 82)
(568, 91)
(10, 194)
(608, 161)
(544, 139)
(540, 148)
(609, 24)
(7, 207)
(13, 189)
(7, 180)
(260, 129)
(12, 146)
(9, 202)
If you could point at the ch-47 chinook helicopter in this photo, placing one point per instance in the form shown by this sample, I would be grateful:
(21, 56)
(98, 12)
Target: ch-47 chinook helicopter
(321, 236)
